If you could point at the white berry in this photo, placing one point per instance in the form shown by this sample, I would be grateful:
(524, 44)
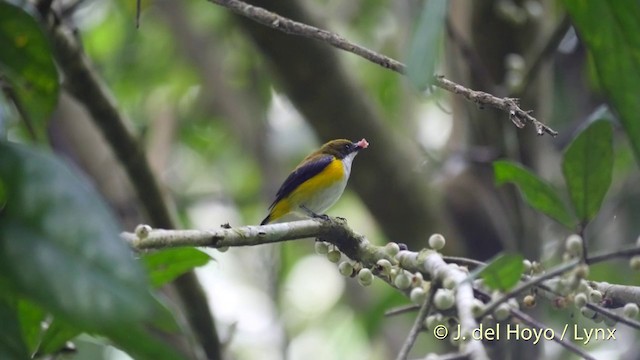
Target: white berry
(365, 277)
(436, 241)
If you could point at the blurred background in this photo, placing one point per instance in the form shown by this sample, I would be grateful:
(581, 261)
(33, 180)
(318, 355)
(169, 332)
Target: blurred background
(226, 107)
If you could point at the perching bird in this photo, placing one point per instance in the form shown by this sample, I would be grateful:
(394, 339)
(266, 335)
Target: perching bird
(316, 183)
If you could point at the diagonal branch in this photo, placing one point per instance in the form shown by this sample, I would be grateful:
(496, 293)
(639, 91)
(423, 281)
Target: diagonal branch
(417, 325)
(270, 19)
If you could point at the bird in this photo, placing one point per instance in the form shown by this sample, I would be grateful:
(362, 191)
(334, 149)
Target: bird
(316, 183)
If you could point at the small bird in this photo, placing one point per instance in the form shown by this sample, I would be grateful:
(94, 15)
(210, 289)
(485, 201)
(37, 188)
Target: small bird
(316, 183)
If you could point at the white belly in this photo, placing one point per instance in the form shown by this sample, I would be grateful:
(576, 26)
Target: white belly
(325, 198)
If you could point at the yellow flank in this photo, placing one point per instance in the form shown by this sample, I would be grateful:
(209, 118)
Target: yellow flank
(333, 173)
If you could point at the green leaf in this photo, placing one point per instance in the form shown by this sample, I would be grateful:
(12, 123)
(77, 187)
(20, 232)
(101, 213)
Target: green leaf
(60, 246)
(27, 62)
(611, 32)
(503, 272)
(536, 192)
(31, 317)
(587, 167)
(425, 44)
(166, 265)
(56, 336)
(60, 243)
(12, 345)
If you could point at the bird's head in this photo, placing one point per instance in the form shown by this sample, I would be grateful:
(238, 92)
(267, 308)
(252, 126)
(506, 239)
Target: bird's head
(341, 148)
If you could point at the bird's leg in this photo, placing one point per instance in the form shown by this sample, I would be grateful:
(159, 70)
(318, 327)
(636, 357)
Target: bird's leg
(313, 214)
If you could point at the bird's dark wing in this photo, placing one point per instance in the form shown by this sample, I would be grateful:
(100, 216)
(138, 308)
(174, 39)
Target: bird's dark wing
(301, 174)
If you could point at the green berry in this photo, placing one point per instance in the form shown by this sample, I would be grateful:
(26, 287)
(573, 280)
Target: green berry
(580, 300)
(334, 256)
(321, 247)
(477, 307)
(630, 310)
(384, 266)
(595, 296)
(502, 312)
(574, 244)
(418, 295)
(433, 320)
(365, 277)
(402, 281)
(142, 231)
(416, 280)
(443, 299)
(392, 249)
(345, 268)
(635, 262)
(436, 241)
(448, 283)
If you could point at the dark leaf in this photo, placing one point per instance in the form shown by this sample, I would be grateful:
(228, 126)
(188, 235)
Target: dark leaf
(535, 191)
(12, 345)
(587, 167)
(60, 246)
(611, 32)
(26, 61)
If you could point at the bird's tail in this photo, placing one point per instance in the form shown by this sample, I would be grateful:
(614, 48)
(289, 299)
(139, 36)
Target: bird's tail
(266, 220)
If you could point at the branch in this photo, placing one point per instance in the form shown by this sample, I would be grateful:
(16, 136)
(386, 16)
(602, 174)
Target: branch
(624, 253)
(538, 325)
(610, 314)
(431, 262)
(518, 116)
(615, 296)
(527, 284)
(418, 324)
(335, 231)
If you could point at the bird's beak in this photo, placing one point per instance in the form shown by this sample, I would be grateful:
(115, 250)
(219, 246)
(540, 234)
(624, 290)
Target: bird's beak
(362, 144)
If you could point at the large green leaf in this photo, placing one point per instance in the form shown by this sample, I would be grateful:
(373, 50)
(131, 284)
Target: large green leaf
(31, 317)
(535, 191)
(611, 31)
(56, 336)
(502, 272)
(166, 265)
(60, 246)
(587, 166)
(27, 62)
(423, 52)
(12, 345)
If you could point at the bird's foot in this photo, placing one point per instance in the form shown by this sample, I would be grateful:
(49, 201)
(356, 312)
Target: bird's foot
(313, 215)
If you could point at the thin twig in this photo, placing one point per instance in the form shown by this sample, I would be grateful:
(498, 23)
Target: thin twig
(606, 312)
(518, 116)
(526, 285)
(401, 310)
(418, 325)
(624, 253)
(538, 325)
